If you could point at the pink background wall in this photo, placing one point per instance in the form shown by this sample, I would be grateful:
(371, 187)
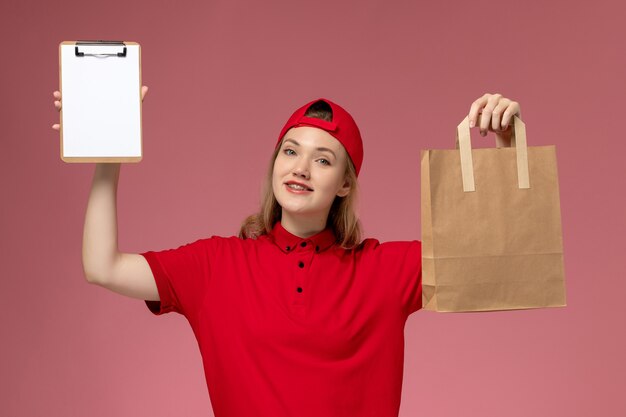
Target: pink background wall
(223, 77)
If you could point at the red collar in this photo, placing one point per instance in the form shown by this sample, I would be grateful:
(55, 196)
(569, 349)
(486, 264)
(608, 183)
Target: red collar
(287, 242)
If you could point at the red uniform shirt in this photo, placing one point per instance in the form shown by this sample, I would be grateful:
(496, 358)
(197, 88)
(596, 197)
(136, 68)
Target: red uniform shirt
(294, 327)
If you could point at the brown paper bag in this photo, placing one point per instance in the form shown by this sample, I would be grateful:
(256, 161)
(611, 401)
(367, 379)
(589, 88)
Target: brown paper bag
(491, 226)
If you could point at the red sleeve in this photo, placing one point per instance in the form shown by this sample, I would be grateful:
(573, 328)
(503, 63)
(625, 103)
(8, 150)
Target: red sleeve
(181, 277)
(401, 261)
(411, 286)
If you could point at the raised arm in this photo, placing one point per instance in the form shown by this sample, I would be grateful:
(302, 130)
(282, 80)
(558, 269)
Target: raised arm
(103, 264)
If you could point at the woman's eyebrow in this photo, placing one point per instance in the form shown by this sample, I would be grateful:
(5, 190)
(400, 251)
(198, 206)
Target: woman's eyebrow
(319, 149)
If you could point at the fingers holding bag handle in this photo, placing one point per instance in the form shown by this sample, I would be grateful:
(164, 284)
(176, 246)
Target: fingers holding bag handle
(518, 140)
(497, 111)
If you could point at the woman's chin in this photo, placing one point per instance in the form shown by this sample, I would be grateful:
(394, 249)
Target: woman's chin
(295, 211)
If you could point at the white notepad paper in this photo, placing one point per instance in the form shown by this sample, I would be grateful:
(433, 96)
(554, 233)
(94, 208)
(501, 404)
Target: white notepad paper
(101, 102)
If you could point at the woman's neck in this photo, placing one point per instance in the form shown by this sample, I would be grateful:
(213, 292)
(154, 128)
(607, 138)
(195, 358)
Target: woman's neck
(303, 227)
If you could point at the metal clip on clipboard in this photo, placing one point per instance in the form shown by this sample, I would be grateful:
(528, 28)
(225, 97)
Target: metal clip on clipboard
(101, 43)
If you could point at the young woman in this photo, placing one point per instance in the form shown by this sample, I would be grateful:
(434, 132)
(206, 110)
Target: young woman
(296, 316)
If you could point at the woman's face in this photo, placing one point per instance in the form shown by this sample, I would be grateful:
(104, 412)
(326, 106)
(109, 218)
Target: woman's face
(309, 172)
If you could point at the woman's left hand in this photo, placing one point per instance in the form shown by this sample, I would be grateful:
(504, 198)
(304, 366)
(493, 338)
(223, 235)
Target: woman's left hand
(496, 113)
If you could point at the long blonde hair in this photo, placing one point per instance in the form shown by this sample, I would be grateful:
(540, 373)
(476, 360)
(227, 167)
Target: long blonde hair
(342, 218)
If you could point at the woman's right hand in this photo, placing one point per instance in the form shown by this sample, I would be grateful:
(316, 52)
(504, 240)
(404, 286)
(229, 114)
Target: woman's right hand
(57, 102)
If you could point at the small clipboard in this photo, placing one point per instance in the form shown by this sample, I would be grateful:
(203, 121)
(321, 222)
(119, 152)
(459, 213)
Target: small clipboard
(100, 84)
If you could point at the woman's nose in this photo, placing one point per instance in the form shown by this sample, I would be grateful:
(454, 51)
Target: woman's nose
(301, 171)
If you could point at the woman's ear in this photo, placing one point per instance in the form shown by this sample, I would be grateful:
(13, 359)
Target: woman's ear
(345, 189)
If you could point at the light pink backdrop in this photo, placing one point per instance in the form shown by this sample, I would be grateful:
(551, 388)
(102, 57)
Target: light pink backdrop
(223, 77)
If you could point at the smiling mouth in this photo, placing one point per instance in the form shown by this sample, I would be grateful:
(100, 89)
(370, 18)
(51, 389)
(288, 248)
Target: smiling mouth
(298, 187)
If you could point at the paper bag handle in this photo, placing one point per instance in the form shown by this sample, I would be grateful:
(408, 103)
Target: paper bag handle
(518, 139)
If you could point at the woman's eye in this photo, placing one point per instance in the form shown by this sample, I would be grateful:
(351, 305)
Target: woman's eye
(324, 161)
(289, 151)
